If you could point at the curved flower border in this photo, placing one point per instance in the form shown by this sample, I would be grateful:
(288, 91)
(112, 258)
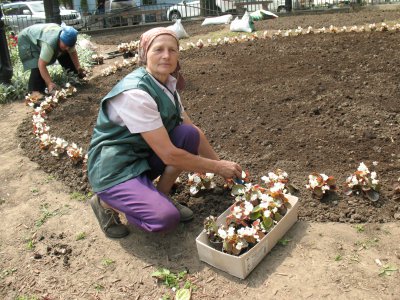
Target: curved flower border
(41, 130)
(58, 146)
(251, 37)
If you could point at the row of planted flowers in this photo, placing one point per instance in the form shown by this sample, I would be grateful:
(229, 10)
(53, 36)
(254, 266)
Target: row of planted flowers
(259, 207)
(131, 48)
(56, 145)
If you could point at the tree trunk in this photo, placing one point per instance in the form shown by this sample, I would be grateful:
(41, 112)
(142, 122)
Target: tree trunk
(52, 11)
(5, 61)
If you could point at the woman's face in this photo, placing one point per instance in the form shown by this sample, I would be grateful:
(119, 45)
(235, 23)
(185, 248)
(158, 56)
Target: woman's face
(162, 57)
(62, 46)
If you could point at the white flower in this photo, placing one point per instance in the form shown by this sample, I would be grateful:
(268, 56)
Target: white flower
(373, 175)
(246, 231)
(313, 181)
(239, 245)
(267, 213)
(375, 163)
(277, 187)
(231, 231)
(264, 205)
(324, 177)
(237, 212)
(273, 176)
(265, 198)
(190, 177)
(363, 168)
(222, 233)
(248, 208)
(265, 179)
(193, 190)
(352, 181)
(60, 143)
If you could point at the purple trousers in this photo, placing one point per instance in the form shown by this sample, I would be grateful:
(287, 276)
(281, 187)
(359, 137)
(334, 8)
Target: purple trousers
(140, 201)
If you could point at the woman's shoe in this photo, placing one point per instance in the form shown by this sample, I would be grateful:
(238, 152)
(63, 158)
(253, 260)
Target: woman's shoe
(185, 212)
(108, 220)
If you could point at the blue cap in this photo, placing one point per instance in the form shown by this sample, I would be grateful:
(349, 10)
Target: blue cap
(69, 35)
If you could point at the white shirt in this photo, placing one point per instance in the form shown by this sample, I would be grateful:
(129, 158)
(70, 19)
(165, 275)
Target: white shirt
(137, 110)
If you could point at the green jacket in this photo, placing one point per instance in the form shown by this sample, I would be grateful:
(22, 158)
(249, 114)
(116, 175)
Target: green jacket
(29, 39)
(115, 154)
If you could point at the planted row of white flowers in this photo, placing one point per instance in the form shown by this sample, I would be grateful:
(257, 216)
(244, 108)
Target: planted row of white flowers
(41, 130)
(132, 46)
(362, 181)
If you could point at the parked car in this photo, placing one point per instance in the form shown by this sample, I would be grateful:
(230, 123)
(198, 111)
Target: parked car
(187, 9)
(18, 15)
(119, 5)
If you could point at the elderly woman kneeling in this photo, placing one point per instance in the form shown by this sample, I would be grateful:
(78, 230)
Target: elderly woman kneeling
(142, 132)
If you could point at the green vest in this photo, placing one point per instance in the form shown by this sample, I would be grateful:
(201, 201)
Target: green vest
(115, 154)
(28, 43)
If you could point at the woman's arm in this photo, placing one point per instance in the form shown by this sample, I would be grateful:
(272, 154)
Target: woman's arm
(42, 65)
(75, 59)
(205, 149)
(161, 144)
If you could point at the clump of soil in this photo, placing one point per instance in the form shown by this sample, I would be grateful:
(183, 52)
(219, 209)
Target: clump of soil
(315, 103)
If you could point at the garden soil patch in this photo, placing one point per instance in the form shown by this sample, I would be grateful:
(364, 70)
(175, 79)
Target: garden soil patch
(314, 103)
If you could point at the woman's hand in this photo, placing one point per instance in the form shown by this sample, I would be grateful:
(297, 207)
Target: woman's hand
(52, 87)
(229, 169)
(81, 73)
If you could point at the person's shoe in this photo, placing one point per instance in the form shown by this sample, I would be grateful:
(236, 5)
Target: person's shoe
(108, 219)
(185, 212)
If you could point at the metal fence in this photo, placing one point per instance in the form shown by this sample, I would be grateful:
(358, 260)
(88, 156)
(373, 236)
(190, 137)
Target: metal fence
(94, 20)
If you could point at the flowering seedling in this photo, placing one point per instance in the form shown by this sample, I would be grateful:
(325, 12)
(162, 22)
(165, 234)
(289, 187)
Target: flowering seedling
(98, 59)
(198, 181)
(320, 184)
(211, 228)
(75, 153)
(279, 179)
(59, 145)
(363, 181)
(32, 99)
(128, 49)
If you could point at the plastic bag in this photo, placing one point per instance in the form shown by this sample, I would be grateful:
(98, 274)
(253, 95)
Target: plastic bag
(226, 19)
(262, 14)
(245, 24)
(178, 29)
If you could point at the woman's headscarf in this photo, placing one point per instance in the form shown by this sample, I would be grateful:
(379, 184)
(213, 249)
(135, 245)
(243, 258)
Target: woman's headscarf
(145, 42)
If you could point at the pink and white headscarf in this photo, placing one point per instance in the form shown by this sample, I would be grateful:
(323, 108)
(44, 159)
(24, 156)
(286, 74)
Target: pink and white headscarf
(145, 42)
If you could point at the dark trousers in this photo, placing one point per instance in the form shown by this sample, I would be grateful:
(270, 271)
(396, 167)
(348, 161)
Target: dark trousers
(37, 83)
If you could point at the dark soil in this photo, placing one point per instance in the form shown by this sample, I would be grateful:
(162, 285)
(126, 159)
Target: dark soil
(322, 102)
